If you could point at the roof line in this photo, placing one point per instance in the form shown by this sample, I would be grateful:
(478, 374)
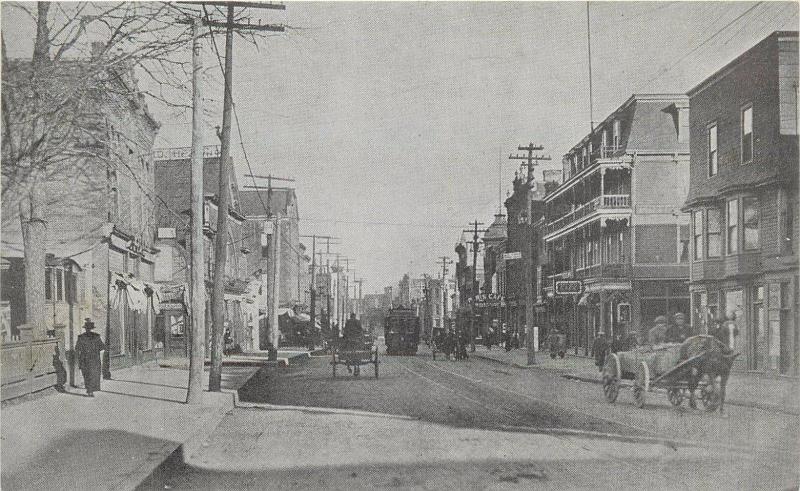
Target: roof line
(718, 74)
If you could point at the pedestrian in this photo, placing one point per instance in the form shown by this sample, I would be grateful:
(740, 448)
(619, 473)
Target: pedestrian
(657, 334)
(87, 351)
(600, 349)
(678, 331)
(506, 337)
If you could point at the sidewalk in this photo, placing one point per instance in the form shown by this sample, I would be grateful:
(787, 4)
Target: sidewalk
(114, 440)
(770, 393)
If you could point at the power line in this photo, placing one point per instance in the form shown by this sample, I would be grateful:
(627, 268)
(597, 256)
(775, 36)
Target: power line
(664, 71)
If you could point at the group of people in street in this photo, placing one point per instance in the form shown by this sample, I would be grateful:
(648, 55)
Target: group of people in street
(452, 342)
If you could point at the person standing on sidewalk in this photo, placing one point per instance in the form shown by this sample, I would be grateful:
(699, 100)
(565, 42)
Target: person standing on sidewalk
(87, 351)
(600, 349)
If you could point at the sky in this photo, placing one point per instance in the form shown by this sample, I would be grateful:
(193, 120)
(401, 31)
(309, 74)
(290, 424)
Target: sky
(396, 120)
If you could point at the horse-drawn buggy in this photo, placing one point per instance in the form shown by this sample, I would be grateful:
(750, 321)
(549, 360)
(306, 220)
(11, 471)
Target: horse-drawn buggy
(353, 354)
(701, 362)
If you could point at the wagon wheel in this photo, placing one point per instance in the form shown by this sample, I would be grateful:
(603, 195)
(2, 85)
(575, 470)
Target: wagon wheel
(675, 396)
(711, 395)
(611, 378)
(641, 385)
(356, 370)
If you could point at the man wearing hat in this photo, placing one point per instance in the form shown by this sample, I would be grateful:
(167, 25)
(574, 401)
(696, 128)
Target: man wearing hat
(87, 352)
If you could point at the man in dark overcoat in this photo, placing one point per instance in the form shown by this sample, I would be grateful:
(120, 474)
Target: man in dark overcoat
(600, 348)
(87, 352)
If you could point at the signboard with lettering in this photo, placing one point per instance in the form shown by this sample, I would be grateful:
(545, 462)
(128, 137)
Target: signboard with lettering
(509, 256)
(568, 287)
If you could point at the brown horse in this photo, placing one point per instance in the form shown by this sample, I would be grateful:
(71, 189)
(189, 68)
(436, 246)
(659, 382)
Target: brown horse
(715, 367)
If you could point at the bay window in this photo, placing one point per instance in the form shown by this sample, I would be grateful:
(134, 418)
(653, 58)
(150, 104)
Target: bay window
(732, 226)
(751, 223)
(713, 233)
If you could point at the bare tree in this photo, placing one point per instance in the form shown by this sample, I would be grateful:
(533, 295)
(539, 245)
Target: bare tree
(85, 56)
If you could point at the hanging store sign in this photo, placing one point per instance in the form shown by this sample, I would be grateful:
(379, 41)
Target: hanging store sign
(568, 287)
(510, 256)
(488, 300)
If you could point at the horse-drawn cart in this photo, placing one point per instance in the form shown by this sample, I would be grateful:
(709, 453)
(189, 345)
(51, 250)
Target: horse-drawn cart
(354, 356)
(699, 362)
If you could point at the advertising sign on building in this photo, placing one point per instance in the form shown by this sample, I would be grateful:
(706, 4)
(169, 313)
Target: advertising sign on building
(568, 287)
(509, 256)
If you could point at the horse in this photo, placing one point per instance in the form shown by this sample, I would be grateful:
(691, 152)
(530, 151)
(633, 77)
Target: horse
(715, 366)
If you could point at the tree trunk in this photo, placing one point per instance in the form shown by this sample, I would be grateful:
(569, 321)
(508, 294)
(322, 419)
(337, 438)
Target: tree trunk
(34, 228)
(34, 235)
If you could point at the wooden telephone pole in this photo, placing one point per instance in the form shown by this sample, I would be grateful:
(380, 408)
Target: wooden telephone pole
(527, 252)
(197, 287)
(313, 288)
(473, 287)
(220, 248)
(445, 262)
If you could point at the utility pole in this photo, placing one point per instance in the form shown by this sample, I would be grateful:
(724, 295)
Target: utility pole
(274, 253)
(313, 288)
(220, 247)
(197, 285)
(445, 262)
(527, 252)
(473, 287)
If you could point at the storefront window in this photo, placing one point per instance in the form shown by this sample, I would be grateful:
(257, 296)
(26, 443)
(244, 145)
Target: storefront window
(758, 328)
(176, 325)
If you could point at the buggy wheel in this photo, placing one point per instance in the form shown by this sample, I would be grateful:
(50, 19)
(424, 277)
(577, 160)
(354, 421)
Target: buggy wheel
(611, 376)
(711, 395)
(675, 396)
(376, 367)
(356, 370)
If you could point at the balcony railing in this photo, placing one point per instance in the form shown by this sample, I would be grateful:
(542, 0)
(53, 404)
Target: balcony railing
(600, 202)
(605, 270)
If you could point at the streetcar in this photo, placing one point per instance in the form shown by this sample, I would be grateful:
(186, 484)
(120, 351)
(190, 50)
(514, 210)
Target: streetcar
(401, 331)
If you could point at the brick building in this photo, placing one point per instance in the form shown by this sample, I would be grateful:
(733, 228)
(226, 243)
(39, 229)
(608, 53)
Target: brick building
(743, 203)
(98, 206)
(615, 223)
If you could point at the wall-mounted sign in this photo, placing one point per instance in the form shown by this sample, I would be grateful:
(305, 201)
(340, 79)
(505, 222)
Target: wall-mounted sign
(568, 287)
(509, 256)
